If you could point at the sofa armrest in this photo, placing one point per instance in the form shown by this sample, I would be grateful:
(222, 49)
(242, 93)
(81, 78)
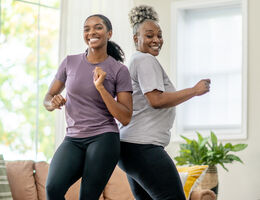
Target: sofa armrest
(203, 194)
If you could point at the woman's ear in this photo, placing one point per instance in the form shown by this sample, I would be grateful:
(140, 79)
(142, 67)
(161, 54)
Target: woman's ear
(109, 34)
(135, 37)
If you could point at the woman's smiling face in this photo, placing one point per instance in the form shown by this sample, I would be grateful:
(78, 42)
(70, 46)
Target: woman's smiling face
(149, 38)
(96, 34)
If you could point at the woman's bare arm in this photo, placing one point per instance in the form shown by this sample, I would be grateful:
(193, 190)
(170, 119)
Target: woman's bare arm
(121, 108)
(159, 99)
(53, 99)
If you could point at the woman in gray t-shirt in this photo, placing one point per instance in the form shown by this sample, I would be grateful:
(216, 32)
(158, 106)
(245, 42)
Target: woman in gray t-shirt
(150, 170)
(92, 79)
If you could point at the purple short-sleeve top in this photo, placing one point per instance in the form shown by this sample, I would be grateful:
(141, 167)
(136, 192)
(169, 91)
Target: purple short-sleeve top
(85, 110)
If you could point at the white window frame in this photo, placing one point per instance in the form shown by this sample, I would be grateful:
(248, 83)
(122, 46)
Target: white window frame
(177, 11)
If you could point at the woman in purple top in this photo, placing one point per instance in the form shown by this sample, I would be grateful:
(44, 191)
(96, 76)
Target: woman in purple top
(98, 90)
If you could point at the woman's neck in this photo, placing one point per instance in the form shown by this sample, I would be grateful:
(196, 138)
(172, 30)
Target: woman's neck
(96, 56)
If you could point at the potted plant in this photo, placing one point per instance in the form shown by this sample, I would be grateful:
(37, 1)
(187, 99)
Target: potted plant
(208, 151)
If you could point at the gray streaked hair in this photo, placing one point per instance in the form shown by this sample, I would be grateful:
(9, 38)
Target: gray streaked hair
(139, 14)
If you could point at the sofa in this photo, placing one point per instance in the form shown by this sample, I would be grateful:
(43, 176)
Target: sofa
(27, 182)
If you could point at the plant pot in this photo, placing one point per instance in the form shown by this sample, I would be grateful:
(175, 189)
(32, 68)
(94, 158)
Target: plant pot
(210, 180)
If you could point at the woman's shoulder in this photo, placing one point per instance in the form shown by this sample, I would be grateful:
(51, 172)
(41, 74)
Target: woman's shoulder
(75, 56)
(73, 59)
(142, 56)
(142, 59)
(116, 64)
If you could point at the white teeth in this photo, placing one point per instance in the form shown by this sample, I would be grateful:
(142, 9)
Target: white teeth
(93, 39)
(155, 48)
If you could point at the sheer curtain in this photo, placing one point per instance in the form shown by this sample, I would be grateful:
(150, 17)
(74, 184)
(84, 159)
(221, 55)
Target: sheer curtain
(73, 15)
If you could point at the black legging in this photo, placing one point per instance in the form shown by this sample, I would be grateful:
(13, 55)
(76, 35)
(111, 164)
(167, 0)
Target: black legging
(151, 172)
(93, 159)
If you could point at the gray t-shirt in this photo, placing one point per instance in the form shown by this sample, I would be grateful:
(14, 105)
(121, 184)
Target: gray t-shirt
(86, 112)
(148, 125)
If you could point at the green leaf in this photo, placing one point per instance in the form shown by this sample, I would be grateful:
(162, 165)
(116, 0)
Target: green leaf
(210, 153)
(228, 146)
(184, 146)
(187, 151)
(203, 143)
(209, 145)
(214, 139)
(186, 139)
(223, 166)
(180, 160)
(233, 157)
(239, 147)
(200, 138)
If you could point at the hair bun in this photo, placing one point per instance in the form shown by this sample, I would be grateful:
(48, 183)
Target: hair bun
(140, 13)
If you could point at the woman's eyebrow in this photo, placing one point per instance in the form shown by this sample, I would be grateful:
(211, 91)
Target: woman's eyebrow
(94, 25)
(152, 31)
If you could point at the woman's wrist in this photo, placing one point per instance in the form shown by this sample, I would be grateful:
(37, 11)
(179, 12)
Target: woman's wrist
(100, 88)
(194, 91)
(48, 106)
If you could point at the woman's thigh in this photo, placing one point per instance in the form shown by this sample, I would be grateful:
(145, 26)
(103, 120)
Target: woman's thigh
(153, 169)
(101, 158)
(65, 168)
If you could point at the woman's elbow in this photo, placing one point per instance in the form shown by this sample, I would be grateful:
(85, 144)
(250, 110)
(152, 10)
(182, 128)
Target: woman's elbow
(154, 100)
(155, 104)
(126, 119)
(125, 123)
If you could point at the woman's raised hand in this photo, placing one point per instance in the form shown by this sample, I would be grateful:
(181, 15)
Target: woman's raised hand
(99, 77)
(202, 87)
(57, 101)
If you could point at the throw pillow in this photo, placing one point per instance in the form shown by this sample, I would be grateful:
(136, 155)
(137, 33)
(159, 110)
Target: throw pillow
(41, 172)
(5, 192)
(183, 177)
(195, 175)
(21, 179)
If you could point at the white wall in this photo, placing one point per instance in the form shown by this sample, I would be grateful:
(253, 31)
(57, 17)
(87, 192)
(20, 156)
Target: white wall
(74, 13)
(242, 182)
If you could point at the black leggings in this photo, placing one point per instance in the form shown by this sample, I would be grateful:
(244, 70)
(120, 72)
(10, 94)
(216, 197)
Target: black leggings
(151, 172)
(93, 159)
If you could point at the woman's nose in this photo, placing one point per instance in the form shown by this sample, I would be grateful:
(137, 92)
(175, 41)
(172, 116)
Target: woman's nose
(91, 31)
(156, 40)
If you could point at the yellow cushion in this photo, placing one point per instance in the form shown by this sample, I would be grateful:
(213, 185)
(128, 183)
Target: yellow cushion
(195, 175)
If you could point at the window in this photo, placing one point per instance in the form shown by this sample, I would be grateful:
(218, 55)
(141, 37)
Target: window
(210, 42)
(29, 57)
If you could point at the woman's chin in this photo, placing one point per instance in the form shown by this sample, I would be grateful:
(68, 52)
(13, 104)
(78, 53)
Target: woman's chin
(155, 53)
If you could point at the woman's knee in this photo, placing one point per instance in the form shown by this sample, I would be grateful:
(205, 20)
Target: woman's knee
(51, 190)
(54, 191)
